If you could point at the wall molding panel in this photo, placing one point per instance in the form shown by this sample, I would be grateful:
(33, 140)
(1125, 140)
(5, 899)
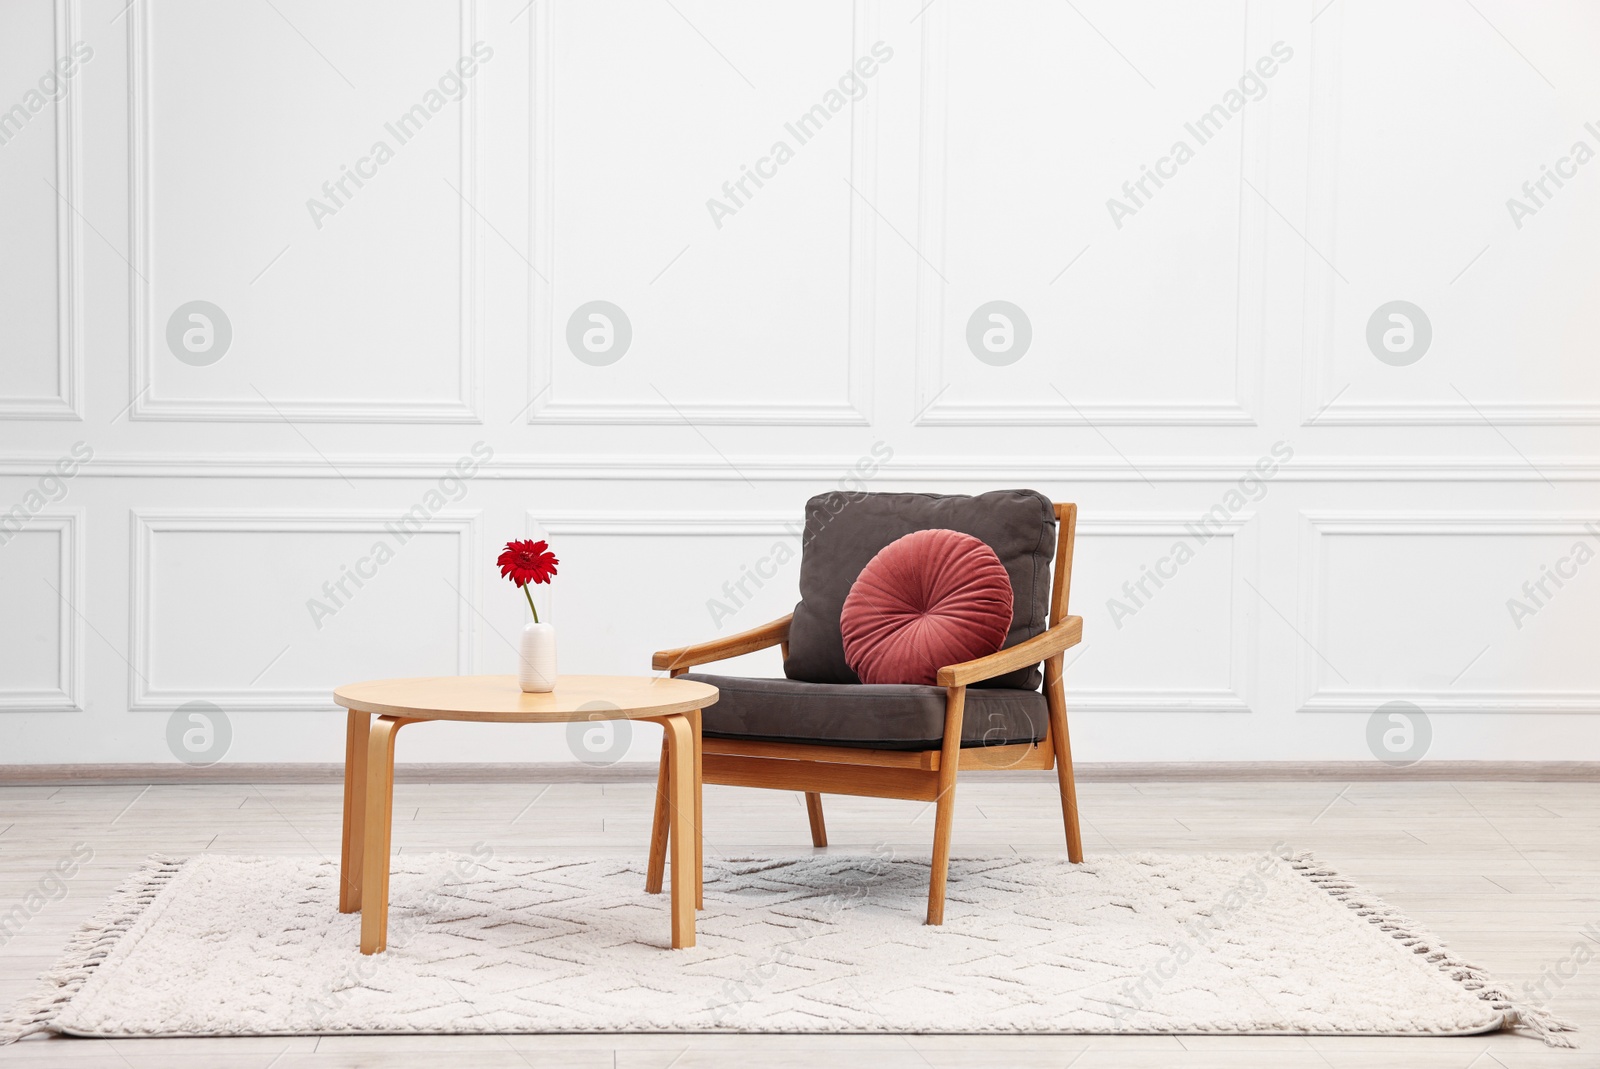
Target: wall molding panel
(67, 695)
(1243, 633)
(146, 404)
(546, 406)
(1318, 526)
(147, 527)
(935, 408)
(67, 403)
(1323, 401)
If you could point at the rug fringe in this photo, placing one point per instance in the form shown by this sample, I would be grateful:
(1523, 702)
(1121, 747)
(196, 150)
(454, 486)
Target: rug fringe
(88, 948)
(1515, 1013)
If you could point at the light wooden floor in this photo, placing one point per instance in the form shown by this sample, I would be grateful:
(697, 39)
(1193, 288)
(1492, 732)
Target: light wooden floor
(1505, 872)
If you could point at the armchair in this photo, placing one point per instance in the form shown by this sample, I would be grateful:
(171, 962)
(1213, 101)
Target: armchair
(895, 741)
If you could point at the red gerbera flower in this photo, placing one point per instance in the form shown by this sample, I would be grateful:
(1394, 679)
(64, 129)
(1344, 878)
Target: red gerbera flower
(527, 562)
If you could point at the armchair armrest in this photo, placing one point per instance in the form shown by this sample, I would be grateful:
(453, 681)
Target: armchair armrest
(718, 649)
(1067, 633)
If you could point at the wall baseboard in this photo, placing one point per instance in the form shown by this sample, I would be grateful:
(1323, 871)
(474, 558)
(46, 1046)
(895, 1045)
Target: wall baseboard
(645, 772)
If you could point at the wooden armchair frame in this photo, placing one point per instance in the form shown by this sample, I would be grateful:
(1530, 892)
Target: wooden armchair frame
(927, 776)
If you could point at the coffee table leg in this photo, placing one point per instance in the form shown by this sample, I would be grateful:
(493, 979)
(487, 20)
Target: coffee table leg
(658, 826)
(379, 821)
(355, 803)
(699, 810)
(685, 832)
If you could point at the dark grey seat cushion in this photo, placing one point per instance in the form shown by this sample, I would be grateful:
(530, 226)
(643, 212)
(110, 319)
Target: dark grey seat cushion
(876, 717)
(844, 530)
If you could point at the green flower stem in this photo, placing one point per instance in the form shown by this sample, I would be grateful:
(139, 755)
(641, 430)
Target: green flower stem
(529, 595)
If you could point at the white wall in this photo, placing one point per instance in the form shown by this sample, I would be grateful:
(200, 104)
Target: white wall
(1176, 341)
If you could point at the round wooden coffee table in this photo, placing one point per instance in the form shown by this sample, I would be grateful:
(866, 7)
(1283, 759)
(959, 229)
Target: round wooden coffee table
(675, 704)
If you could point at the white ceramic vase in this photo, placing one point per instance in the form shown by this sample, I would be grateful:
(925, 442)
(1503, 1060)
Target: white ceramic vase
(536, 659)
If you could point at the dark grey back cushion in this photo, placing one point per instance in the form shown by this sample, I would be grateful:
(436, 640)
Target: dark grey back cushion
(844, 530)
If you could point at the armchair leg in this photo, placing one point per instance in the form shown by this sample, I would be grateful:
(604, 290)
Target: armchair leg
(1056, 700)
(658, 829)
(944, 814)
(819, 830)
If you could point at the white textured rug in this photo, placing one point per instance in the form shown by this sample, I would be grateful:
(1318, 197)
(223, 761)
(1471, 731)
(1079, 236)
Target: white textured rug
(221, 946)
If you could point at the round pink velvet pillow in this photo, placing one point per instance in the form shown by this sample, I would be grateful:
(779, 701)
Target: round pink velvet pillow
(930, 599)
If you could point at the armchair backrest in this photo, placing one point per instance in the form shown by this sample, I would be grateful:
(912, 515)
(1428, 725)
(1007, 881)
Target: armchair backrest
(844, 530)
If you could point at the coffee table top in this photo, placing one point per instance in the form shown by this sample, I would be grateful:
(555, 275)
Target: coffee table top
(498, 698)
